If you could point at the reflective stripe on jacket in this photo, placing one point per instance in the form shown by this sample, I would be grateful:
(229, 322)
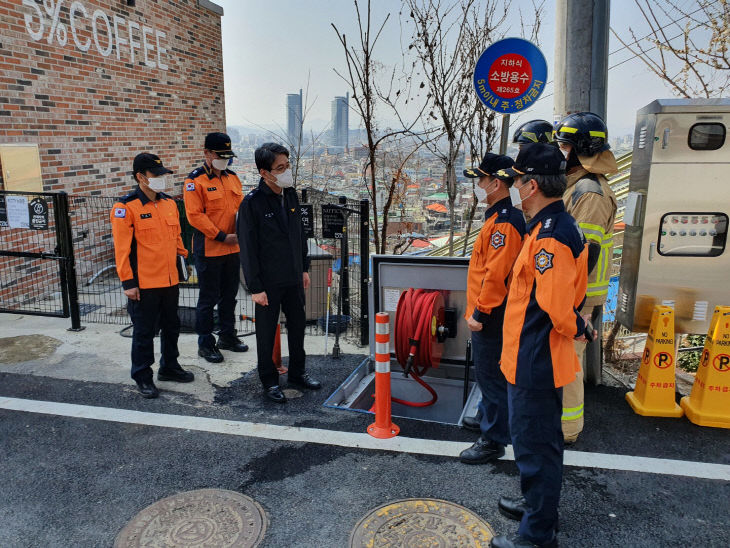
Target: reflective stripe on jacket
(543, 306)
(590, 200)
(211, 204)
(146, 240)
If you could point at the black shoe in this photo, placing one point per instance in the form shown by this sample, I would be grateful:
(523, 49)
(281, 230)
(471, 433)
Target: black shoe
(512, 508)
(482, 451)
(305, 381)
(516, 541)
(147, 388)
(275, 394)
(471, 423)
(232, 343)
(175, 375)
(210, 353)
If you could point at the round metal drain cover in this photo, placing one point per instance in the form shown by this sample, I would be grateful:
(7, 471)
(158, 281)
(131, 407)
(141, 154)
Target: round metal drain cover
(421, 523)
(206, 518)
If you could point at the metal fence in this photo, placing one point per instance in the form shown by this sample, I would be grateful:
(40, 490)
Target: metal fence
(36, 259)
(102, 299)
(350, 276)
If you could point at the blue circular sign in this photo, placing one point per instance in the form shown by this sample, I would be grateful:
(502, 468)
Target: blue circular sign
(510, 75)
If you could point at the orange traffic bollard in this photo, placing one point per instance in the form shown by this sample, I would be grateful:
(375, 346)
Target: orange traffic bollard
(383, 427)
(276, 355)
(653, 395)
(709, 402)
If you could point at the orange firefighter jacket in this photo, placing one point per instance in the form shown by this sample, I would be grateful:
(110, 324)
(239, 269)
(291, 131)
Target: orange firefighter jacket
(495, 251)
(211, 204)
(146, 240)
(546, 293)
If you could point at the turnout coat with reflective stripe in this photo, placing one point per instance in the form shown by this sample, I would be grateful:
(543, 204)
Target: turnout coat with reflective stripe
(495, 250)
(543, 306)
(590, 200)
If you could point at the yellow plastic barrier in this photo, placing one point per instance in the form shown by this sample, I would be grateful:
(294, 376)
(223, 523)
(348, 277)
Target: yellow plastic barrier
(709, 402)
(653, 395)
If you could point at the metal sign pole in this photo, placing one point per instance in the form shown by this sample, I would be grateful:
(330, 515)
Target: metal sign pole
(505, 134)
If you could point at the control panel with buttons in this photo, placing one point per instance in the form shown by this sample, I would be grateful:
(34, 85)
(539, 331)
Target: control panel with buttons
(695, 234)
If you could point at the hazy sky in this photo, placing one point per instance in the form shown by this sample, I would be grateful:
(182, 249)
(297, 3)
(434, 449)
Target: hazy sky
(270, 48)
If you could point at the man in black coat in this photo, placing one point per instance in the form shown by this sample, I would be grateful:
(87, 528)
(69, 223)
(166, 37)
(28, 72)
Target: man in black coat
(275, 266)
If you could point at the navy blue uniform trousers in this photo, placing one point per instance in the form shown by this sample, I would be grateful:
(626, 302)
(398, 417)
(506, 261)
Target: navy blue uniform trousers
(154, 305)
(537, 440)
(218, 279)
(487, 348)
(290, 300)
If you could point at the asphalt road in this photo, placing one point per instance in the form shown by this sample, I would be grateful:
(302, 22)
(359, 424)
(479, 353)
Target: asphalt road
(76, 482)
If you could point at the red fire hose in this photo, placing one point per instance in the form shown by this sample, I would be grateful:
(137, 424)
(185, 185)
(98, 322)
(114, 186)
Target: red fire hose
(419, 314)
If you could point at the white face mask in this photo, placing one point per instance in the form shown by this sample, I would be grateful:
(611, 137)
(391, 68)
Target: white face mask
(158, 184)
(284, 180)
(516, 197)
(480, 193)
(220, 163)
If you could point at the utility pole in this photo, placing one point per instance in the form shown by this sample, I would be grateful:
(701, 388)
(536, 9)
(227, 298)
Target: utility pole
(581, 76)
(581, 56)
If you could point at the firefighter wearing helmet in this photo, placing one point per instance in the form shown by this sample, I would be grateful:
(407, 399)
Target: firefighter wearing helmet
(534, 131)
(583, 139)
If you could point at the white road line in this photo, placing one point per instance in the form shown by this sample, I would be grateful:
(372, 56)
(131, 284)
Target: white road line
(400, 444)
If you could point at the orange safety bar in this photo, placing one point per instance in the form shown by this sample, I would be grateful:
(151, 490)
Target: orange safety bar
(383, 426)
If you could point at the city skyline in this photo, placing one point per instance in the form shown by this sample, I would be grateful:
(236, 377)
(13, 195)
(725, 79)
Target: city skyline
(255, 101)
(340, 124)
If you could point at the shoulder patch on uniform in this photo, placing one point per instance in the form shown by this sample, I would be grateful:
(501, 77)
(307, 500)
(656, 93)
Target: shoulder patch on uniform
(120, 212)
(543, 261)
(197, 172)
(547, 226)
(497, 240)
(190, 186)
(503, 215)
(586, 185)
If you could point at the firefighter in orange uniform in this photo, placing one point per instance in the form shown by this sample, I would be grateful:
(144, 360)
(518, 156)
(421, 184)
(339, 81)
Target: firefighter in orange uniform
(146, 231)
(494, 253)
(212, 195)
(541, 322)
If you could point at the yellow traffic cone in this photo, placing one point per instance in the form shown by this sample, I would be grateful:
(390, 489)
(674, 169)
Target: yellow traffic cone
(653, 395)
(709, 402)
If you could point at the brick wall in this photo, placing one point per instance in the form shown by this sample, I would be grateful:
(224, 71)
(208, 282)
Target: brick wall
(78, 94)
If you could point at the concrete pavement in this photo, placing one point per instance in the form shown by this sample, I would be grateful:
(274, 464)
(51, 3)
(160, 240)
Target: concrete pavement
(72, 481)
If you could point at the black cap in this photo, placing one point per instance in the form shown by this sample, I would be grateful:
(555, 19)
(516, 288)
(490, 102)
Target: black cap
(220, 143)
(149, 162)
(538, 159)
(490, 166)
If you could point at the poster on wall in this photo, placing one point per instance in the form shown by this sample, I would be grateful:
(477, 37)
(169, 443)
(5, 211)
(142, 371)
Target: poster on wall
(38, 211)
(3, 212)
(18, 213)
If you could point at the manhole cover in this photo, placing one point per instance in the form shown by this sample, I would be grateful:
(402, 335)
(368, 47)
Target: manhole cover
(421, 523)
(206, 518)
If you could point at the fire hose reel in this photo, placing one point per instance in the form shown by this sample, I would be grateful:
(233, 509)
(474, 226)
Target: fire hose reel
(422, 325)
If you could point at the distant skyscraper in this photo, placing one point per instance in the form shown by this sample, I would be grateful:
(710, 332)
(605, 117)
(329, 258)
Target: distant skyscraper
(294, 119)
(341, 121)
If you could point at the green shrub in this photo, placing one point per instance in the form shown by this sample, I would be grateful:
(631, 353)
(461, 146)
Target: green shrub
(690, 361)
